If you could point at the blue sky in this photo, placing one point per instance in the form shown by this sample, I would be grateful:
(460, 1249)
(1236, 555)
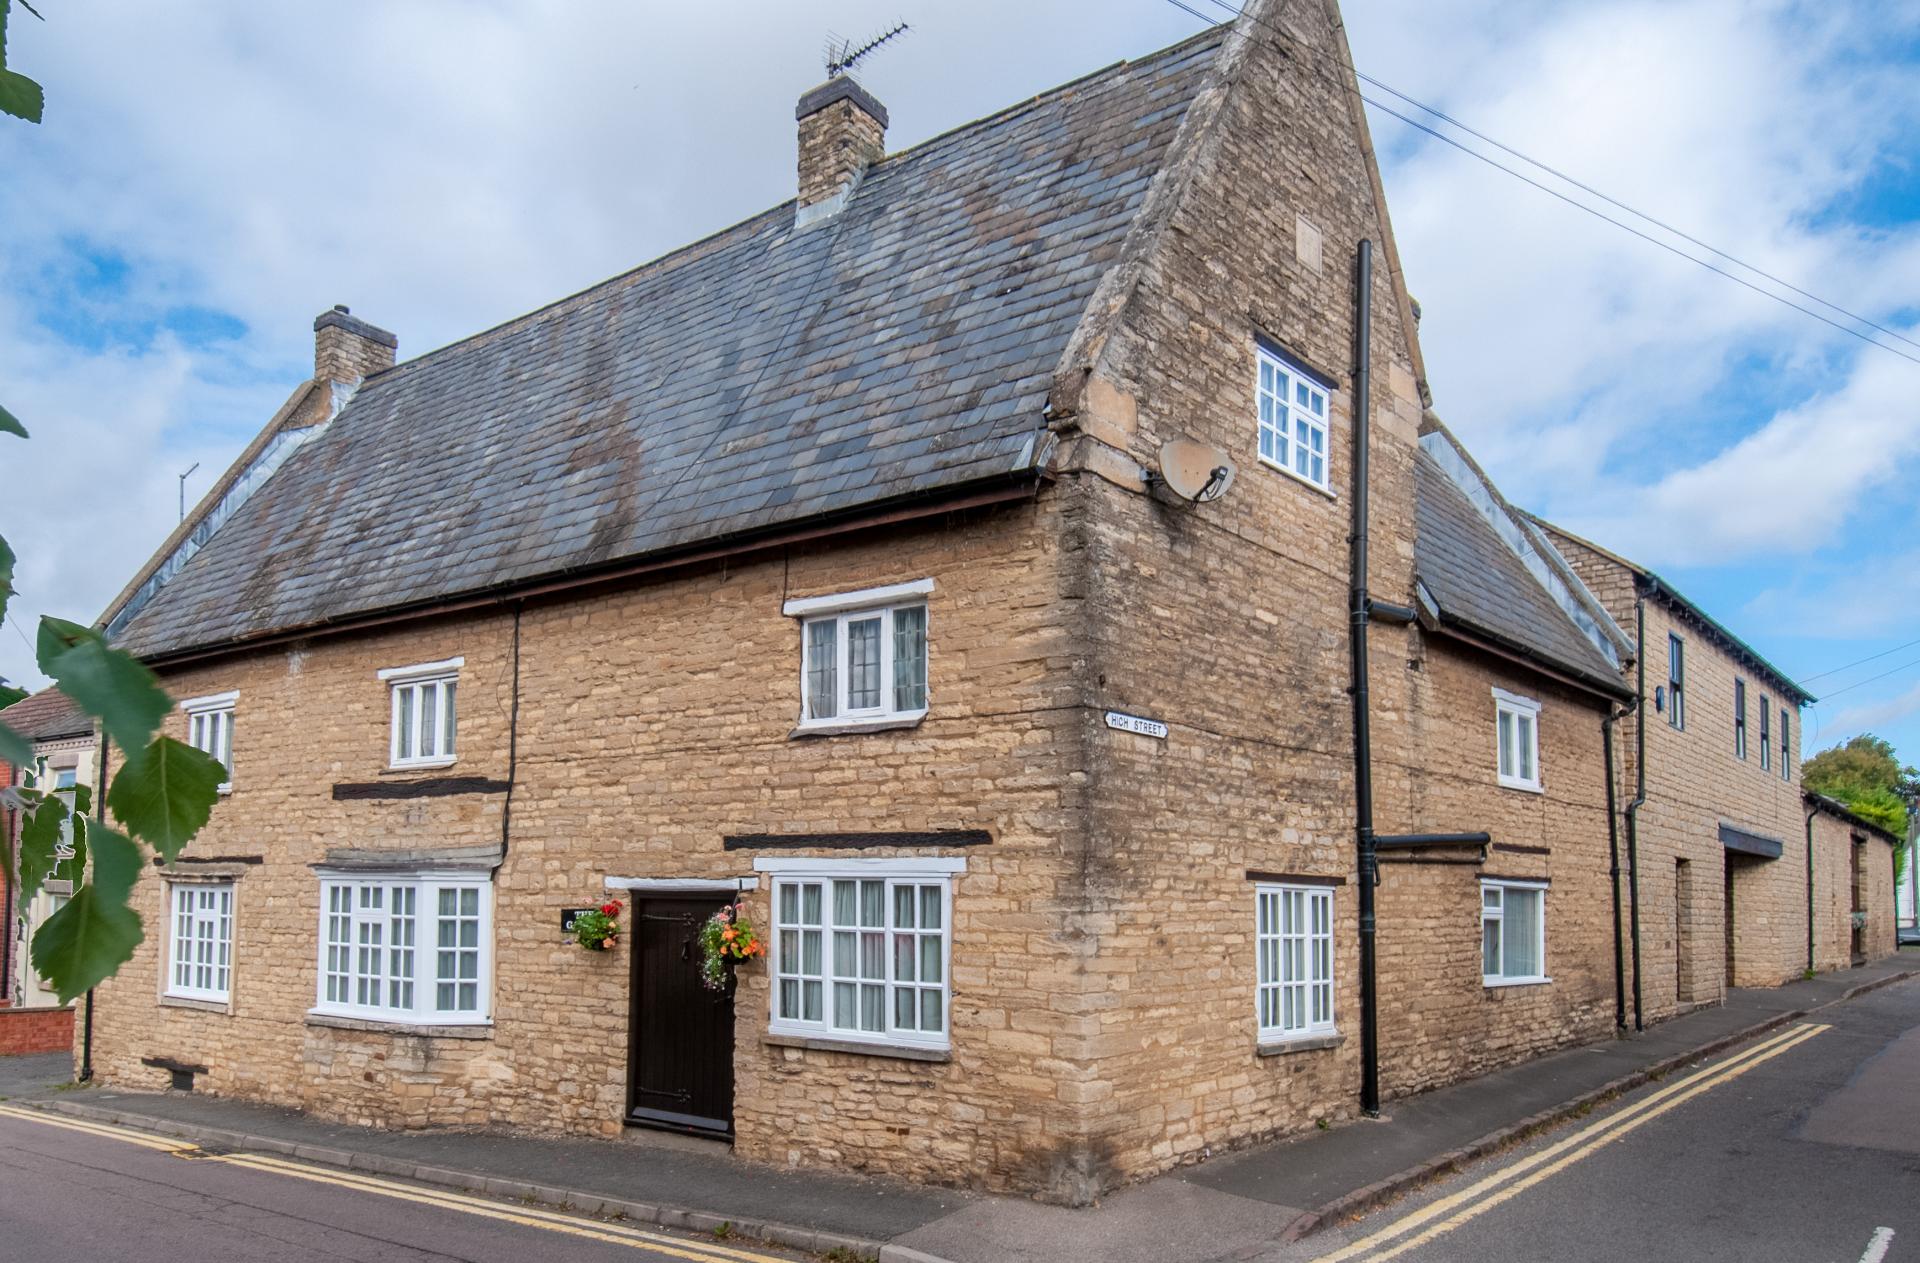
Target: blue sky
(210, 177)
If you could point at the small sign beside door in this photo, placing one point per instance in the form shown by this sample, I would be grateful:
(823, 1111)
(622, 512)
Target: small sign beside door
(1135, 723)
(569, 915)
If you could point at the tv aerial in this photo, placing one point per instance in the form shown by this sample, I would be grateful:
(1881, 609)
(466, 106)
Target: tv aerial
(842, 56)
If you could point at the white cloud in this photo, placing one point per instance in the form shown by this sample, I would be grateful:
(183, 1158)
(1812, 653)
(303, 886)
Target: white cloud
(1866, 717)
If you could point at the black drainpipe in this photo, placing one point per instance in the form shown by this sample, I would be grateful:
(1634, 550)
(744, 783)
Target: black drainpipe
(1613, 874)
(1810, 815)
(1639, 795)
(1357, 637)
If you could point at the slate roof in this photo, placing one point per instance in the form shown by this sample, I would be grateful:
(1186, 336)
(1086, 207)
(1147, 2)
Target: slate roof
(1484, 589)
(47, 716)
(752, 380)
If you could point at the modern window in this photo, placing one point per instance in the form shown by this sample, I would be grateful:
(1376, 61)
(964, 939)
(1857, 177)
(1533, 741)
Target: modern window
(1786, 760)
(863, 655)
(1513, 932)
(413, 949)
(1766, 733)
(210, 729)
(1676, 681)
(1517, 736)
(1293, 419)
(423, 713)
(201, 967)
(1293, 938)
(1740, 719)
(861, 950)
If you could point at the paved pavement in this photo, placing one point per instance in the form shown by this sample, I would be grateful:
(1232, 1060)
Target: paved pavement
(1234, 1207)
(1802, 1146)
(68, 1195)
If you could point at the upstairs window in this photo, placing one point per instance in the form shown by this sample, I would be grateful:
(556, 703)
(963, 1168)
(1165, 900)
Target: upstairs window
(1676, 681)
(1517, 736)
(210, 729)
(423, 713)
(1293, 419)
(1740, 719)
(1786, 760)
(1293, 937)
(863, 655)
(1766, 734)
(1513, 932)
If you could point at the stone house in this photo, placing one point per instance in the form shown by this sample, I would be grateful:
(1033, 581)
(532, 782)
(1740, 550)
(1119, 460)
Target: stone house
(958, 566)
(1851, 896)
(1724, 879)
(64, 750)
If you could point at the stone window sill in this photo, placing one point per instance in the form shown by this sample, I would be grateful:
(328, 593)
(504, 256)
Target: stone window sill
(1306, 1043)
(476, 1030)
(204, 1006)
(858, 1048)
(1497, 984)
(424, 765)
(853, 727)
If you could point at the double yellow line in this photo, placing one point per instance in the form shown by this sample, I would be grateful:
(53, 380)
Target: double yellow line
(1444, 1215)
(526, 1216)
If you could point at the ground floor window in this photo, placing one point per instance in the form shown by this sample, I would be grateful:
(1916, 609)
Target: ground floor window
(861, 950)
(407, 949)
(1293, 937)
(201, 935)
(1513, 932)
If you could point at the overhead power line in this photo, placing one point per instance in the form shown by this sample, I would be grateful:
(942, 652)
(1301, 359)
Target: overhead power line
(1576, 203)
(1906, 666)
(1860, 662)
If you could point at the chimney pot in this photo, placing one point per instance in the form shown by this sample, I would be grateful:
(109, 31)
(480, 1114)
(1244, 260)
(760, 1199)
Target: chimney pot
(346, 348)
(843, 131)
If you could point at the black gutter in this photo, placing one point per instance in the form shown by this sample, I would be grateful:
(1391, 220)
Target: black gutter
(1613, 875)
(1357, 615)
(1639, 795)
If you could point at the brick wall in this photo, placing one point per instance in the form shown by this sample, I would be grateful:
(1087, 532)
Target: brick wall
(35, 1030)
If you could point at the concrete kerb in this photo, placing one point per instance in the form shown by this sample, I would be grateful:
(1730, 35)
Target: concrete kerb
(1441, 1165)
(579, 1201)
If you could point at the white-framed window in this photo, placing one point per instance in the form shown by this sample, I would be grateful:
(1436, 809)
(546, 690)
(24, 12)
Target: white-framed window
(861, 950)
(863, 655)
(416, 948)
(210, 729)
(1676, 681)
(1517, 739)
(1293, 939)
(1513, 932)
(1293, 418)
(423, 718)
(201, 966)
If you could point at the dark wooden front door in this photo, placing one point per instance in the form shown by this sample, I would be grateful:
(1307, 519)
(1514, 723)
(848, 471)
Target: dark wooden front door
(682, 1056)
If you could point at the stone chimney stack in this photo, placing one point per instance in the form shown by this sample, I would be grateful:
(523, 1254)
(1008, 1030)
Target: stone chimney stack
(843, 131)
(346, 350)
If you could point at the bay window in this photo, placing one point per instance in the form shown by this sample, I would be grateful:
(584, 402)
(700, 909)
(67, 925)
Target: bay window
(413, 948)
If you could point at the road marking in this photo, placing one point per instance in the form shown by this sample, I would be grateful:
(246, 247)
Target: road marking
(104, 1130)
(1877, 1247)
(616, 1234)
(1575, 1147)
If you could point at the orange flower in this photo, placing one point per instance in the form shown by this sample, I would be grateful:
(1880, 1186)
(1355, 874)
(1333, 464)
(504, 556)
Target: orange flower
(727, 936)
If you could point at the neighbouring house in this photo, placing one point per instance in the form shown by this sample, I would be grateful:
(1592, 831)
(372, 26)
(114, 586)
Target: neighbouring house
(1717, 833)
(64, 756)
(1851, 899)
(847, 563)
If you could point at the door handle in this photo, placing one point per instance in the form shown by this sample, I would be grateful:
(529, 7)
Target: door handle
(686, 949)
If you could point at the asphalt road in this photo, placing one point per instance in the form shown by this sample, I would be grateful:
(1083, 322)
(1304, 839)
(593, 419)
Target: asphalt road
(93, 1193)
(1803, 1147)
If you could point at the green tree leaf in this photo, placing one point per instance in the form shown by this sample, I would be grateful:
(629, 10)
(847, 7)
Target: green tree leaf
(112, 685)
(14, 748)
(21, 96)
(96, 932)
(6, 577)
(10, 424)
(41, 833)
(164, 793)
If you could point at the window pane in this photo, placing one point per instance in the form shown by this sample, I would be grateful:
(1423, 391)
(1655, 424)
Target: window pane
(903, 907)
(845, 893)
(1524, 730)
(821, 702)
(905, 1009)
(810, 953)
(403, 707)
(863, 663)
(910, 659)
(845, 955)
(873, 908)
(810, 899)
(1490, 947)
(931, 1017)
(930, 907)
(1522, 934)
(447, 724)
(905, 957)
(789, 904)
(1506, 743)
(930, 958)
(789, 998)
(429, 720)
(872, 1008)
(845, 1006)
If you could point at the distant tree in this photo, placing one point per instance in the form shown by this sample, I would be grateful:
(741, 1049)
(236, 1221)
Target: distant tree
(1869, 778)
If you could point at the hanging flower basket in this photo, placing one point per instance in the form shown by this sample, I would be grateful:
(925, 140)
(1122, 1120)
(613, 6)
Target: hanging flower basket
(726, 936)
(598, 930)
(1860, 920)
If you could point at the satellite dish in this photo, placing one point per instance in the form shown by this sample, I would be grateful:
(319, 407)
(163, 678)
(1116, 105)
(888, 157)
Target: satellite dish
(1195, 471)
